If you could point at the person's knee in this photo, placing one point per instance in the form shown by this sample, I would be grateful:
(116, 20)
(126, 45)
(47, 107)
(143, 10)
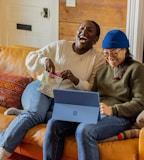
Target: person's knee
(52, 128)
(82, 131)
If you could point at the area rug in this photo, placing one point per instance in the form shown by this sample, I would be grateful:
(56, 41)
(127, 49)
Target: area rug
(16, 156)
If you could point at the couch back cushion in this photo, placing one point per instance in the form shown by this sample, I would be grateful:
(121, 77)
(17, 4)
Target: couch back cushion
(12, 60)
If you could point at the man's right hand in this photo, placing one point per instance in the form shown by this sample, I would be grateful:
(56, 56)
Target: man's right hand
(50, 67)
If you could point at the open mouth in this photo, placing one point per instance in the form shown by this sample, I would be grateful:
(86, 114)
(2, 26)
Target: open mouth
(83, 39)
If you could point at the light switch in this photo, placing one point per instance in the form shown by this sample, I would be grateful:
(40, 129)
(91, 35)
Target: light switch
(70, 3)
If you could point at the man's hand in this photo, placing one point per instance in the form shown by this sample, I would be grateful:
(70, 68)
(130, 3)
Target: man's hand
(67, 74)
(140, 123)
(50, 67)
(105, 109)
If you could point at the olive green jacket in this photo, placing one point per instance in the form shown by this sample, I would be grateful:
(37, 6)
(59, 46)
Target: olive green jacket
(125, 96)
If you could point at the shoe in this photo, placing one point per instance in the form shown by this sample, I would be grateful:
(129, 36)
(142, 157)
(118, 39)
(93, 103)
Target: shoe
(4, 154)
(13, 111)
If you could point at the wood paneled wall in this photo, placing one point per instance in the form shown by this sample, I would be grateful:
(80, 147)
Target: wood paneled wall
(109, 14)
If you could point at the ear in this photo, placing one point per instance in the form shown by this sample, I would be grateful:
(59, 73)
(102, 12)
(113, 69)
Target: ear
(96, 39)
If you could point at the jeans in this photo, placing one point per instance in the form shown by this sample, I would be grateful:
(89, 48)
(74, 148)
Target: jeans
(35, 106)
(87, 136)
(54, 138)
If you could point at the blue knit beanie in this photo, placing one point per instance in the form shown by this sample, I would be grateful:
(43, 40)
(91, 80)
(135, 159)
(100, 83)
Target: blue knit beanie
(115, 39)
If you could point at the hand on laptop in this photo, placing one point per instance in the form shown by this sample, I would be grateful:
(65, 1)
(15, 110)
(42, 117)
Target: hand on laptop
(105, 109)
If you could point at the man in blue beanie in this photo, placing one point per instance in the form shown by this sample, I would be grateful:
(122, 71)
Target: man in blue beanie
(115, 40)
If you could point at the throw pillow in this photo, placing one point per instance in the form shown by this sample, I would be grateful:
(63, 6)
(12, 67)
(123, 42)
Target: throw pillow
(11, 89)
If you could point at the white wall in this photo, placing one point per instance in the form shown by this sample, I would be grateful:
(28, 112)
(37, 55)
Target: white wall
(2, 22)
(135, 28)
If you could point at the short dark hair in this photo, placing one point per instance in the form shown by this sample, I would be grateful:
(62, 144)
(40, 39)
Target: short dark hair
(97, 28)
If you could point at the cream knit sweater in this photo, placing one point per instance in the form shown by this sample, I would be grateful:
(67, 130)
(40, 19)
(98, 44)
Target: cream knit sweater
(61, 53)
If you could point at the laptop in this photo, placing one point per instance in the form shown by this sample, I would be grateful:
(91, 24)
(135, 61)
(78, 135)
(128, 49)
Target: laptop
(76, 106)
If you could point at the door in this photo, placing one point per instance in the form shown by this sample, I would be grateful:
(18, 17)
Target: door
(29, 22)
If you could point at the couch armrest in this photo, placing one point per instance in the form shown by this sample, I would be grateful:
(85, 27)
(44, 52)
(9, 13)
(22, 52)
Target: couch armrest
(141, 144)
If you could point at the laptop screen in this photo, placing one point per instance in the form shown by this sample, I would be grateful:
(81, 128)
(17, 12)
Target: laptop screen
(76, 106)
(77, 97)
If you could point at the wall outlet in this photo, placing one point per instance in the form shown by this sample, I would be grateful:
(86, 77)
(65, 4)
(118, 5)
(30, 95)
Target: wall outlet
(70, 3)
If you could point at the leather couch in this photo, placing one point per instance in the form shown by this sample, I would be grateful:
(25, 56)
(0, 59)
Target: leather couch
(12, 60)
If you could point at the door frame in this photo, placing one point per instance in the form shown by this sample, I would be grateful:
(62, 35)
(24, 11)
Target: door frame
(54, 19)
